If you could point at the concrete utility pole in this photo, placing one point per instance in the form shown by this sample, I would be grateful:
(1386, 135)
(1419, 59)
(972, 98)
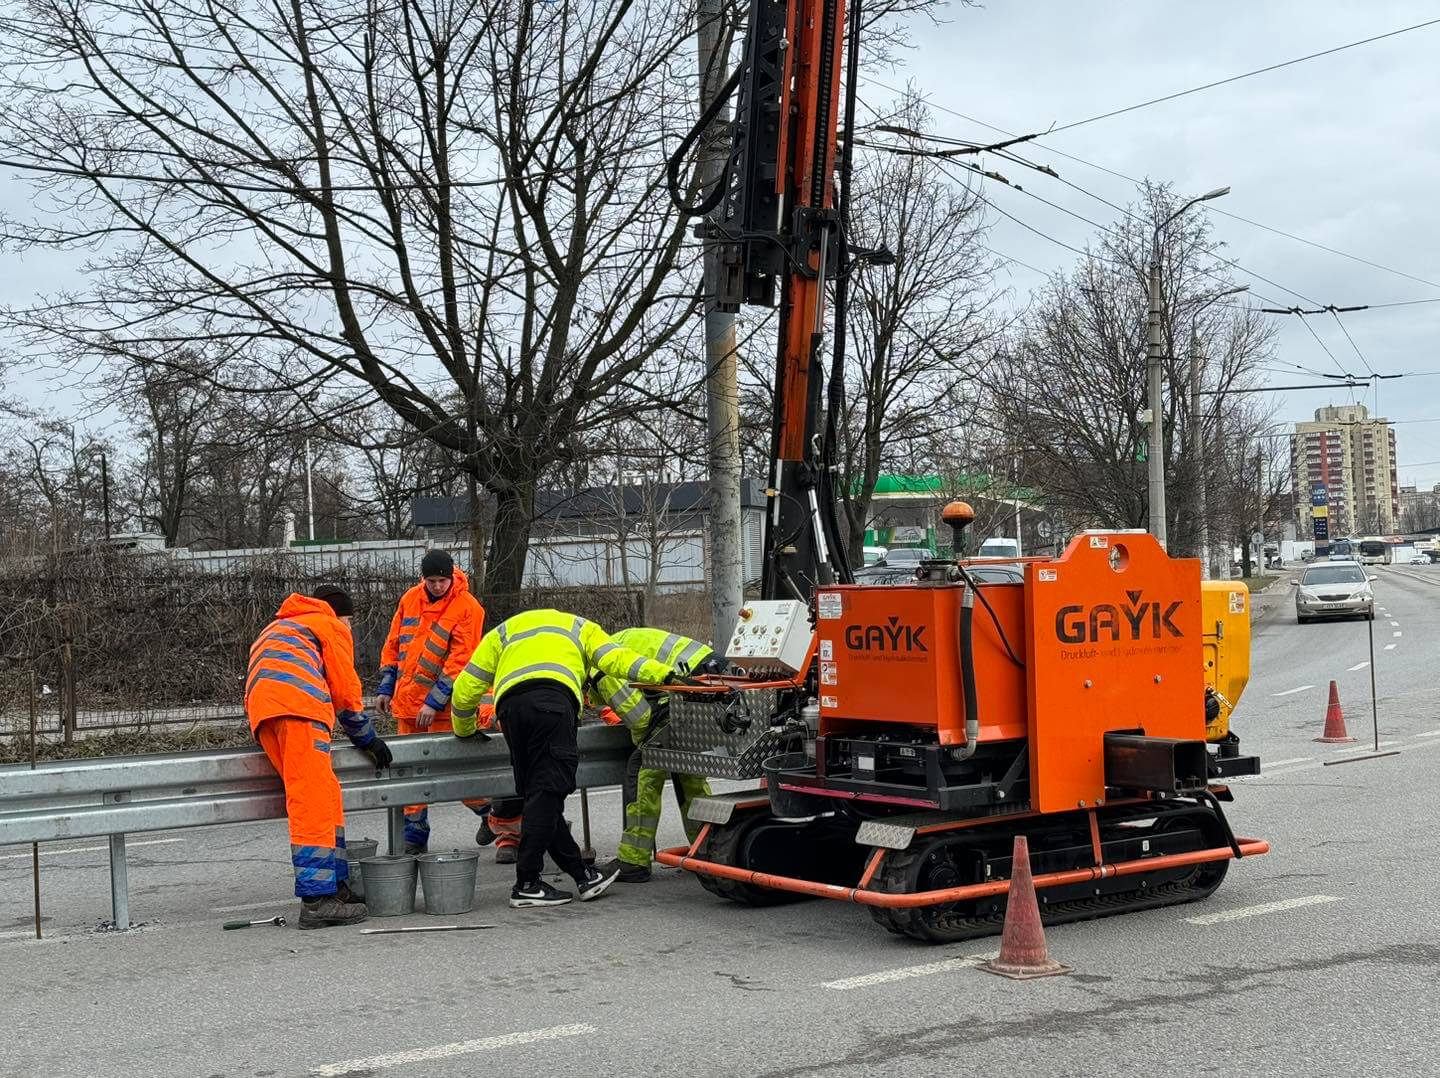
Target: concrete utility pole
(1155, 454)
(1198, 452)
(722, 393)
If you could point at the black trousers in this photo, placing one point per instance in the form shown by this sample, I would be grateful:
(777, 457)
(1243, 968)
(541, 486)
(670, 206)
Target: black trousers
(539, 719)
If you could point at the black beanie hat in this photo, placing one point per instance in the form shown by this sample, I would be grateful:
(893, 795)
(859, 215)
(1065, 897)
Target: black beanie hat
(337, 597)
(437, 563)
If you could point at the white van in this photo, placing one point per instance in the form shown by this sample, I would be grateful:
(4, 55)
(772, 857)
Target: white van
(999, 548)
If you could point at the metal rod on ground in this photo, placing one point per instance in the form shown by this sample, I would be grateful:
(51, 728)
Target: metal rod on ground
(34, 846)
(588, 853)
(422, 928)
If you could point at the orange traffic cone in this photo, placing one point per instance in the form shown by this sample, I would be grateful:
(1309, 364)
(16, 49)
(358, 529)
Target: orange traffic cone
(1022, 947)
(1335, 733)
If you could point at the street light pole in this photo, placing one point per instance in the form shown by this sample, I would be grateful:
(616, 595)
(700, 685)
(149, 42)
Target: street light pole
(1156, 451)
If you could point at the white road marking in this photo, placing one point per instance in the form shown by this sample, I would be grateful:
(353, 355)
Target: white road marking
(88, 849)
(1292, 692)
(1397, 632)
(903, 973)
(1394, 625)
(1389, 647)
(1429, 733)
(457, 1048)
(1256, 911)
(1358, 666)
(1281, 763)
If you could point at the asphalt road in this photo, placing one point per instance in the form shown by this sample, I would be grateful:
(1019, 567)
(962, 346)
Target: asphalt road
(1318, 959)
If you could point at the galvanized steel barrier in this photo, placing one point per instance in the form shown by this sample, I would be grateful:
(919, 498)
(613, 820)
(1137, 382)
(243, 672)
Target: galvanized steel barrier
(115, 796)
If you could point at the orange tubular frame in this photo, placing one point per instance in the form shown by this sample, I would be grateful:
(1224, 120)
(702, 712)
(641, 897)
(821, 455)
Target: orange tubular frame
(684, 857)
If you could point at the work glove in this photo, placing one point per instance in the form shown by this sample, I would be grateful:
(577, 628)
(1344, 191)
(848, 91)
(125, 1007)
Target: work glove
(379, 753)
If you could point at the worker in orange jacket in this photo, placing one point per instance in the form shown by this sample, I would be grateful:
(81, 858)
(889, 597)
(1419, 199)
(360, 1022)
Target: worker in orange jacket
(437, 625)
(300, 681)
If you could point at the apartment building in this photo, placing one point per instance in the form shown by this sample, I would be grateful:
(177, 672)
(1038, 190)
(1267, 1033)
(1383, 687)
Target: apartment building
(1354, 456)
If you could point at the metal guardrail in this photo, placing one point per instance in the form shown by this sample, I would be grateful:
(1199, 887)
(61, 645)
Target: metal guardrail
(116, 796)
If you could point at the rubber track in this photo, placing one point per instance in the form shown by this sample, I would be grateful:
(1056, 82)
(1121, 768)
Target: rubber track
(722, 846)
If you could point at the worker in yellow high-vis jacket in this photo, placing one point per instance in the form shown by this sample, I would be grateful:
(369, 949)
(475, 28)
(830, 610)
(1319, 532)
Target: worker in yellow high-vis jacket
(538, 664)
(645, 715)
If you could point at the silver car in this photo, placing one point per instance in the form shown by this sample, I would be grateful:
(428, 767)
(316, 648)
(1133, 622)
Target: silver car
(1334, 589)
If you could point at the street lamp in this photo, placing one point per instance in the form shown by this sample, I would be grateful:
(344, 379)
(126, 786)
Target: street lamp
(1202, 508)
(1156, 453)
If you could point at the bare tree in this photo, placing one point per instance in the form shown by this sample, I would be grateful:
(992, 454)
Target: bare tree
(458, 208)
(1073, 385)
(920, 327)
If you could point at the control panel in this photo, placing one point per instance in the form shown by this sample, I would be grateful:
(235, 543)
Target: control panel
(771, 634)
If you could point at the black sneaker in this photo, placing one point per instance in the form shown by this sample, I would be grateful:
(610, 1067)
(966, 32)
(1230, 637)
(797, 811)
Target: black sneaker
(597, 882)
(485, 835)
(537, 893)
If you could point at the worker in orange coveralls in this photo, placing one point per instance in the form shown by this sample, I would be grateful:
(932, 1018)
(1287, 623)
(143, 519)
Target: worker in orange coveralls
(301, 680)
(436, 627)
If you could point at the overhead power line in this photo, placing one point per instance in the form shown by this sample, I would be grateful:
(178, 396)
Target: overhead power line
(1237, 78)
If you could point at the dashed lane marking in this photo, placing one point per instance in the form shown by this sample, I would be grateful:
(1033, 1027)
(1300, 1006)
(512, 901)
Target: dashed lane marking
(1389, 647)
(1358, 666)
(1257, 911)
(1397, 632)
(1292, 692)
(903, 973)
(88, 849)
(1429, 733)
(448, 1051)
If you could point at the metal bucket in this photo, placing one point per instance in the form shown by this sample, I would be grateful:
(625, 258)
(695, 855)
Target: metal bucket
(355, 852)
(448, 880)
(389, 885)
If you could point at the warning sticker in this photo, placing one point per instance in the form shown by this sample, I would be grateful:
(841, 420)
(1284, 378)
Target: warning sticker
(829, 701)
(828, 675)
(1237, 602)
(1099, 542)
(1049, 575)
(827, 649)
(829, 605)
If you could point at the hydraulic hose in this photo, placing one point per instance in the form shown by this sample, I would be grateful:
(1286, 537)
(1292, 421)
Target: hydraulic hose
(967, 674)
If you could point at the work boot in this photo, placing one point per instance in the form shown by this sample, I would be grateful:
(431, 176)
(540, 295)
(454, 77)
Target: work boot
(415, 849)
(506, 855)
(629, 873)
(485, 835)
(596, 882)
(344, 894)
(328, 910)
(537, 893)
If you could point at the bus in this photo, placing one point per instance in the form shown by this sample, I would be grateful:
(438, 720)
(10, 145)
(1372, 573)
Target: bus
(1371, 552)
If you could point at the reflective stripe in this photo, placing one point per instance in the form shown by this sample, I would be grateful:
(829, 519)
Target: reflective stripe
(563, 672)
(507, 639)
(293, 660)
(299, 628)
(320, 726)
(323, 746)
(487, 676)
(288, 679)
(688, 655)
(442, 633)
(668, 646)
(638, 822)
(604, 650)
(272, 635)
(436, 649)
(389, 671)
(429, 666)
(458, 714)
(409, 621)
(643, 843)
(423, 680)
(631, 713)
(405, 638)
(637, 668)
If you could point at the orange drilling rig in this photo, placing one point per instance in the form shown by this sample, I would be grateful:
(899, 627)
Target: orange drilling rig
(905, 735)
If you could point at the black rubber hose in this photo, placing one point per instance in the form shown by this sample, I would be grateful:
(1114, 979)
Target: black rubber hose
(967, 672)
(677, 159)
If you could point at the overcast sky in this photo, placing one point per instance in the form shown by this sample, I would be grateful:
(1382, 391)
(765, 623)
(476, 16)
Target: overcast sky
(1343, 150)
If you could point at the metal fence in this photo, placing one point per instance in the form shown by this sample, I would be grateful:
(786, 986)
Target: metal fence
(118, 641)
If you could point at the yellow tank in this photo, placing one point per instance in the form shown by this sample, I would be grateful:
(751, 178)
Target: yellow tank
(1225, 615)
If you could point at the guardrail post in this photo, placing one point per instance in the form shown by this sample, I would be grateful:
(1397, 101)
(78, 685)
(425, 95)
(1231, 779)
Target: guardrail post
(119, 883)
(395, 827)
